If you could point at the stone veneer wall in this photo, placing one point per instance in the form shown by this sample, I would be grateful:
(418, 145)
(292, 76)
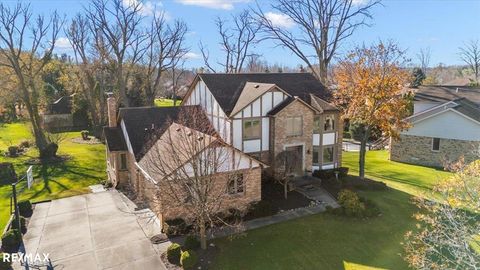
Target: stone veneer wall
(279, 138)
(418, 150)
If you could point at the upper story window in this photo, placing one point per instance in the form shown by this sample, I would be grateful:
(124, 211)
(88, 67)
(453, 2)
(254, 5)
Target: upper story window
(329, 123)
(252, 129)
(328, 154)
(294, 126)
(435, 144)
(317, 123)
(235, 184)
(123, 161)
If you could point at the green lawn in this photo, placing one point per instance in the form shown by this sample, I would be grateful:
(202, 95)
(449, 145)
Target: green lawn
(86, 167)
(409, 178)
(324, 241)
(165, 102)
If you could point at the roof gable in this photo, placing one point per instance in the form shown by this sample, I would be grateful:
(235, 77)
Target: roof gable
(463, 106)
(227, 88)
(141, 123)
(251, 91)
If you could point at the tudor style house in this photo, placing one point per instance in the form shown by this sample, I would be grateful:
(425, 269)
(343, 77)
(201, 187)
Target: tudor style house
(445, 126)
(259, 117)
(265, 114)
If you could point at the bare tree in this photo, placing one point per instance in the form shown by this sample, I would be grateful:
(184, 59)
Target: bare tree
(26, 45)
(194, 170)
(89, 58)
(320, 27)
(470, 54)
(236, 42)
(166, 50)
(119, 27)
(424, 58)
(290, 161)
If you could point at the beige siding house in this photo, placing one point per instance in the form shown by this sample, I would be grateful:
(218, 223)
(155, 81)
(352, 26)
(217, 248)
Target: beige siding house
(445, 126)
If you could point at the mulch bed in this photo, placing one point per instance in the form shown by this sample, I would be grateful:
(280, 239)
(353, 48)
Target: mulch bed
(333, 186)
(205, 259)
(90, 140)
(273, 193)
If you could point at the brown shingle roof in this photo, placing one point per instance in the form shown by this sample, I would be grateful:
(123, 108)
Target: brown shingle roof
(114, 138)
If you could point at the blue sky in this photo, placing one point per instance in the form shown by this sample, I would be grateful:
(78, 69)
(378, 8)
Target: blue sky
(441, 25)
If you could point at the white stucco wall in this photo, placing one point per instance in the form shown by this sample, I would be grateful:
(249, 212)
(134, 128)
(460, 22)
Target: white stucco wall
(202, 96)
(258, 108)
(447, 125)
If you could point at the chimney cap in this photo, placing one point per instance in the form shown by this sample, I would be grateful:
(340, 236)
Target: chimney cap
(109, 94)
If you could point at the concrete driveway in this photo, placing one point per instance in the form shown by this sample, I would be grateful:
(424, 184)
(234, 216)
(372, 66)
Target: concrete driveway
(93, 231)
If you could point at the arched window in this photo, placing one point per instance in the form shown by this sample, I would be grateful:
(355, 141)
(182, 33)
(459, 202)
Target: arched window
(235, 184)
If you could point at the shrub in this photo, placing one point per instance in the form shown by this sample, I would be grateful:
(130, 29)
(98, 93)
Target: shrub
(175, 227)
(24, 144)
(85, 134)
(371, 208)
(351, 203)
(188, 259)
(25, 208)
(13, 151)
(11, 241)
(23, 224)
(343, 171)
(261, 209)
(4, 265)
(233, 215)
(173, 253)
(324, 174)
(49, 151)
(191, 242)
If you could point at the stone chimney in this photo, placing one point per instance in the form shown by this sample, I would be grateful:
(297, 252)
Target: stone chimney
(112, 110)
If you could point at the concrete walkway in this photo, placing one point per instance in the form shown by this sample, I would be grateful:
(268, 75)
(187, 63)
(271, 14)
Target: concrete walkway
(93, 231)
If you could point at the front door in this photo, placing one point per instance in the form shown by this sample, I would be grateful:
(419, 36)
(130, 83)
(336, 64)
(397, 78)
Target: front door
(294, 160)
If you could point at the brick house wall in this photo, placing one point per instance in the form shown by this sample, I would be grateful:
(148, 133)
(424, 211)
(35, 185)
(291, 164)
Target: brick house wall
(279, 138)
(252, 193)
(418, 150)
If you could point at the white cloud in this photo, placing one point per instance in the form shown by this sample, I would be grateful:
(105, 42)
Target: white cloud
(359, 2)
(63, 43)
(215, 4)
(279, 20)
(147, 8)
(191, 55)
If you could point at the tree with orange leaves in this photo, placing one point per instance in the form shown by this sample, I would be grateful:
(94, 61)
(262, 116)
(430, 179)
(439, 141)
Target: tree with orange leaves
(369, 83)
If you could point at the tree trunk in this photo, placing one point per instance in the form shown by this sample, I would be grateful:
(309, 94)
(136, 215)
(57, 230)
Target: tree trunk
(323, 72)
(203, 234)
(363, 151)
(285, 189)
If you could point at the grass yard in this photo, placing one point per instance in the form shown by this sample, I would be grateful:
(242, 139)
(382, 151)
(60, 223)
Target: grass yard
(409, 178)
(324, 241)
(86, 167)
(165, 102)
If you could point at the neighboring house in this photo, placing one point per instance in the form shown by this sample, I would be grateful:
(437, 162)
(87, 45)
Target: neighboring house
(259, 117)
(265, 114)
(59, 116)
(445, 126)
